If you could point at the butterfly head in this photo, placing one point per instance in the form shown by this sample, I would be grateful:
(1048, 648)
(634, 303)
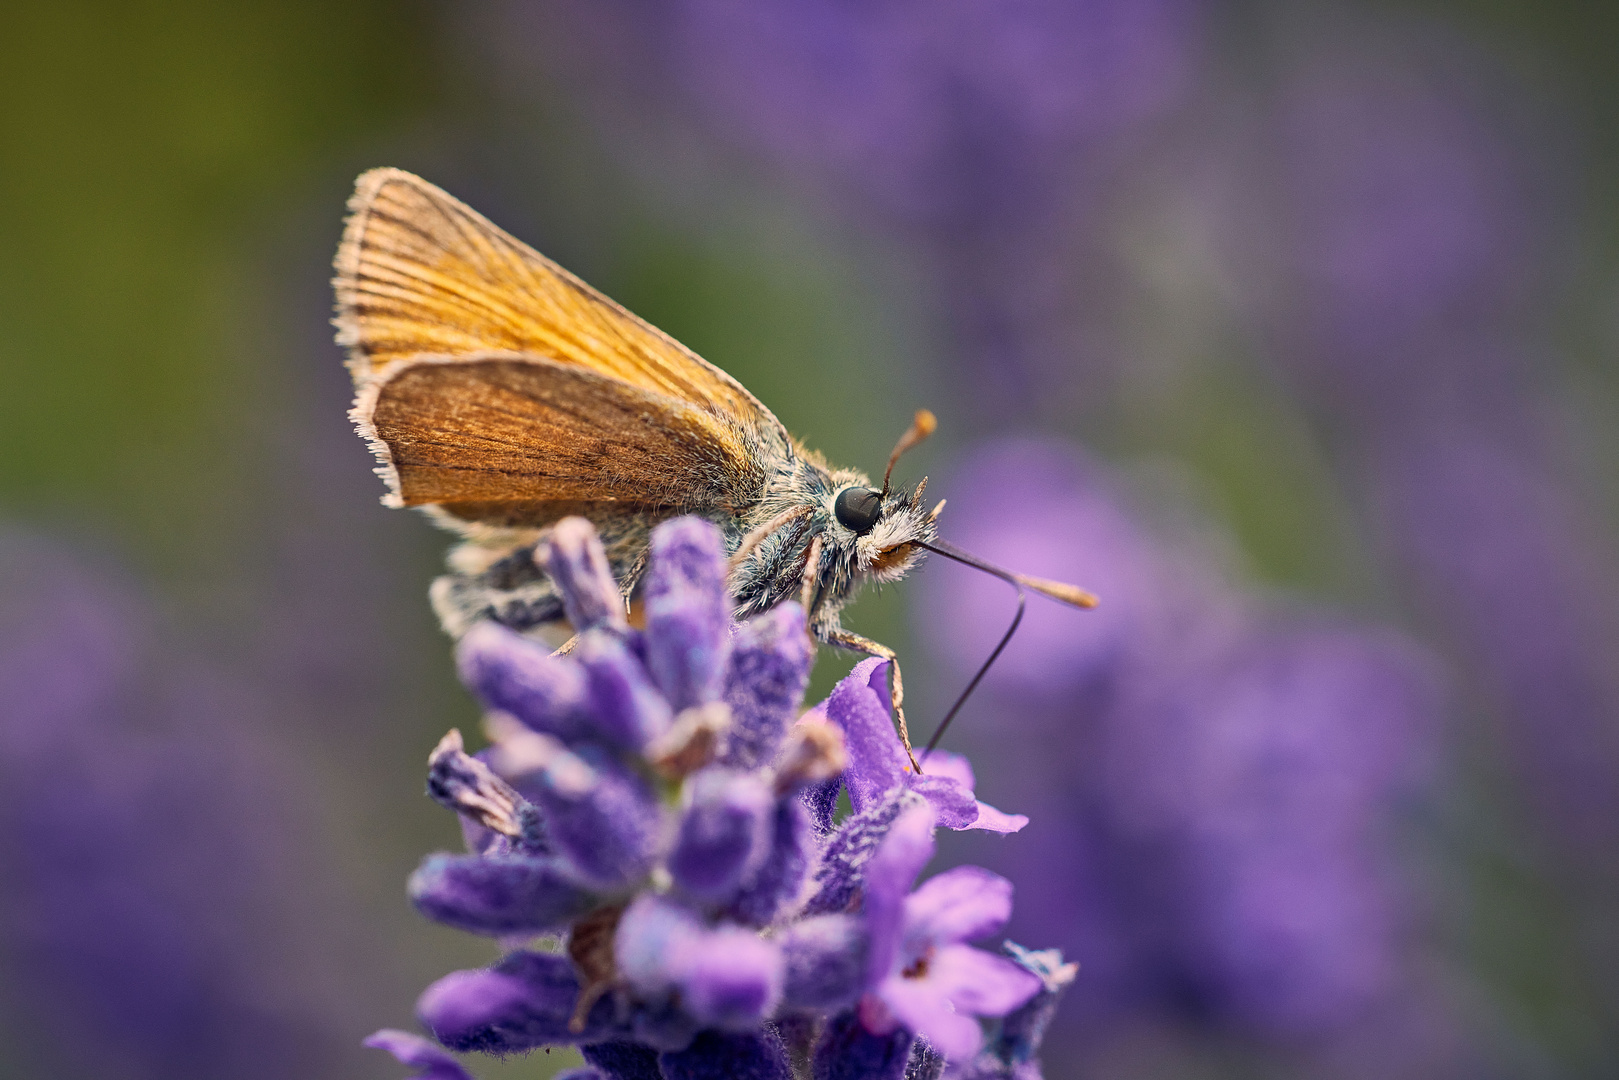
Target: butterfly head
(877, 533)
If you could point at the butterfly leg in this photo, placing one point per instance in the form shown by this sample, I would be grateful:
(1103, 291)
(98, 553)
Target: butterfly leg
(808, 591)
(848, 640)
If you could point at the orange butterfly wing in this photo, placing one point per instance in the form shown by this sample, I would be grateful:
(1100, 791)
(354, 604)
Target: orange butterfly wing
(503, 438)
(425, 282)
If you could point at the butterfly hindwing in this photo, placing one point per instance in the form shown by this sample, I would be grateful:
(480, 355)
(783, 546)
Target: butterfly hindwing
(495, 437)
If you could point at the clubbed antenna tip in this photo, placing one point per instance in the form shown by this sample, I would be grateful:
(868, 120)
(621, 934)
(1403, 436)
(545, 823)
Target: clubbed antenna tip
(922, 425)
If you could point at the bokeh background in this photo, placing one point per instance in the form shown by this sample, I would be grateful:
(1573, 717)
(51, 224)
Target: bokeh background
(1289, 327)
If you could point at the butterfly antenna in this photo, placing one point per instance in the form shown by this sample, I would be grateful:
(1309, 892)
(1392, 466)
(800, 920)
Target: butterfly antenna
(1057, 590)
(922, 425)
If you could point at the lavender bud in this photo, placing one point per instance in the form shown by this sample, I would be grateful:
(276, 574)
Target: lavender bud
(523, 1002)
(576, 561)
(847, 851)
(599, 815)
(814, 755)
(724, 977)
(466, 785)
(418, 1053)
(826, 962)
(1022, 1029)
(514, 675)
(734, 981)
(780, 877)
(725, 832)
(687, 612)
(717, 1056)
(928, 1064)
(495, 896)
(691, 742)
(770, 664)
(848, 1051)
(623, 1061)
(625, 706)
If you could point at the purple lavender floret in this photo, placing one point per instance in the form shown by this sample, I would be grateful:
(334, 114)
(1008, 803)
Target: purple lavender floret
(650, 801)
(921, 974)
(1010, 1052)
(877, 764)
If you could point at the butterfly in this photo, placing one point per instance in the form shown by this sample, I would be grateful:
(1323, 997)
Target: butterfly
(501, 394)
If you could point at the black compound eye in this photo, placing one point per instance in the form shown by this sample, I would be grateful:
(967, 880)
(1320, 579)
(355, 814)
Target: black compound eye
(856, 509)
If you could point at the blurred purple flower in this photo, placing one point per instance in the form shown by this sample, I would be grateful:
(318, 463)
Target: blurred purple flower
(147, 827)
(947, 113)
(707, 914)
(1217, 789)
(1423, 212)
(1501, 553)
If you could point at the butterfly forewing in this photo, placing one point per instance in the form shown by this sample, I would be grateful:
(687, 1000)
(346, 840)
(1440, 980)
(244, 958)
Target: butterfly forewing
(420, 273)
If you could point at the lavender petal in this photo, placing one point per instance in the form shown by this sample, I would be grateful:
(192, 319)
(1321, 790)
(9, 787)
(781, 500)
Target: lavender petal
(953, 805)
(923, 1007)
(992, 820)
(859, 705)
(888, 876)
(964, 903)
(980, 983)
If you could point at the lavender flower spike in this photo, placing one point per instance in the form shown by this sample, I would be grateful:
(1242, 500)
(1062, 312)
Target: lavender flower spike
(649, 800)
